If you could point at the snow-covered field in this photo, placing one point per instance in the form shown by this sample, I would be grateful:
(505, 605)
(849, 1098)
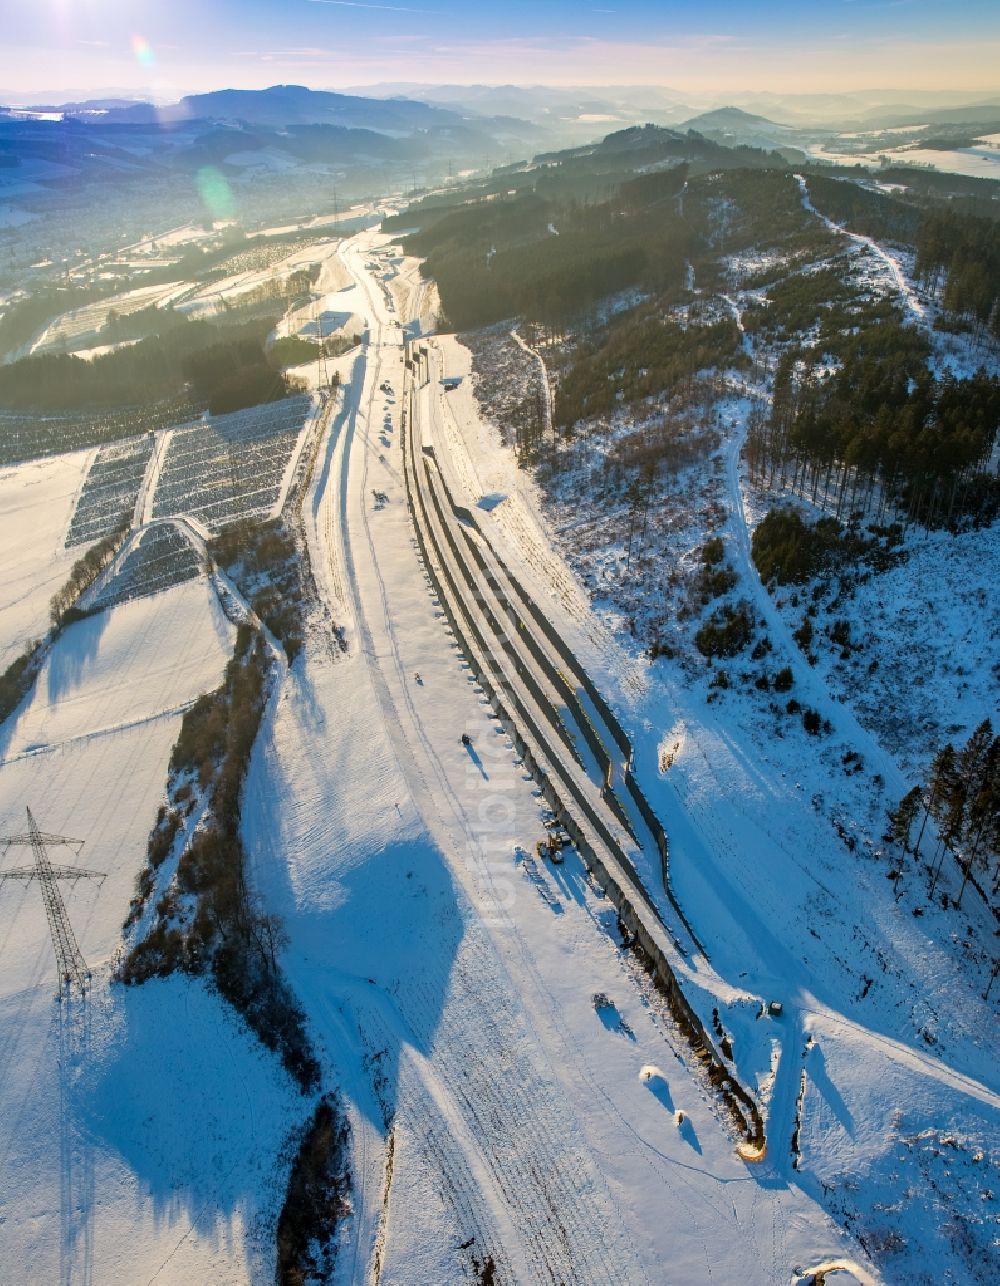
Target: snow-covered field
(981, 162)
(138, 1135)
(77, 328)
(215, 297)
(37, 501)
(936, 602)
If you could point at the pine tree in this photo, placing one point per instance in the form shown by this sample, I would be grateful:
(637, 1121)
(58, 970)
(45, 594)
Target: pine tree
(941, 802)
(902, 817)
(979, 766)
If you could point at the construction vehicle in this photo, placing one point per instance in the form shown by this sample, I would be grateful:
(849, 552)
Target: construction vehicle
(552, 847)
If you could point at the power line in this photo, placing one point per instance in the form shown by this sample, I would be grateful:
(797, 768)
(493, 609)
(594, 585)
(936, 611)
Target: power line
(71, 968)
(322, 350)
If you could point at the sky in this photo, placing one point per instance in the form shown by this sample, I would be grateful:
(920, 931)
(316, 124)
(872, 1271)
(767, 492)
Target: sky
(165, 48)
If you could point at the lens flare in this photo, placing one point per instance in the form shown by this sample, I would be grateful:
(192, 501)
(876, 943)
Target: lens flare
(143, 51)
(215, 192)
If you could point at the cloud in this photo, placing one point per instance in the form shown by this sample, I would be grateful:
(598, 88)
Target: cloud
(358, 4)
(294, 54)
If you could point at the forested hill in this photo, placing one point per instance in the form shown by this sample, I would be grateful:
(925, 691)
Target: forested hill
(957, 243)
(596, 251)
(216, 367)
(550, 240)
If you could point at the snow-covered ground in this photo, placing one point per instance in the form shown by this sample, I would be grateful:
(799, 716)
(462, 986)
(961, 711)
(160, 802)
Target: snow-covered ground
(943, 682)
(448, 974)
(980, 162)
(215, 297)
(139, 1135)
(775, 841)
(37, 501)
(78, 327)
(901, 284)
(102, 350)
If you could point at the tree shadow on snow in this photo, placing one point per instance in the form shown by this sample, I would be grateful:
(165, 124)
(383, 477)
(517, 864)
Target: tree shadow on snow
(687, 1132)
(64, 670)
(196, 1109)
(73, 653)
(199, 1111)
(660, 1090)
(817, 1070)
(384, 959)
(374, 917)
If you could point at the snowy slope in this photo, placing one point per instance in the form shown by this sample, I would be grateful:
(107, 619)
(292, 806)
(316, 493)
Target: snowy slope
(773, 846)
(498, 1114)
(123, 668)
(37, 500)
(138, 1136)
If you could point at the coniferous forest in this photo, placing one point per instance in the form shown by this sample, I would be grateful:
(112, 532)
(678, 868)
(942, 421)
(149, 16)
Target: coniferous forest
(881, 430)
(857, 411)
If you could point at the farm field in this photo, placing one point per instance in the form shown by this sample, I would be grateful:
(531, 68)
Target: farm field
(160, 557)
(110, 490)
(77, 329)
(26, 436)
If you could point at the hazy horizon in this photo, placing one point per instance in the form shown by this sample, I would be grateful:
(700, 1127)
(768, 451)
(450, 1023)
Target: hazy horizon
(146, 48)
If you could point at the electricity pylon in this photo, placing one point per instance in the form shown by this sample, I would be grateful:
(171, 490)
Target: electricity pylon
(322, 351)
(70, 964)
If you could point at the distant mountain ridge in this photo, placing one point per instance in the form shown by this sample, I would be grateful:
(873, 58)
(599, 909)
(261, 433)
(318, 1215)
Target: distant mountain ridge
(278, 148)
(282, 105)
(974, 114)
(731, 118)
(278, 107)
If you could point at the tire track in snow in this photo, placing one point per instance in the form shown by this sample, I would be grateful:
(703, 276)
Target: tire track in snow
(408, 765)
(143, 511)
(902, 285)
(410, 770)
(548, 1192)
